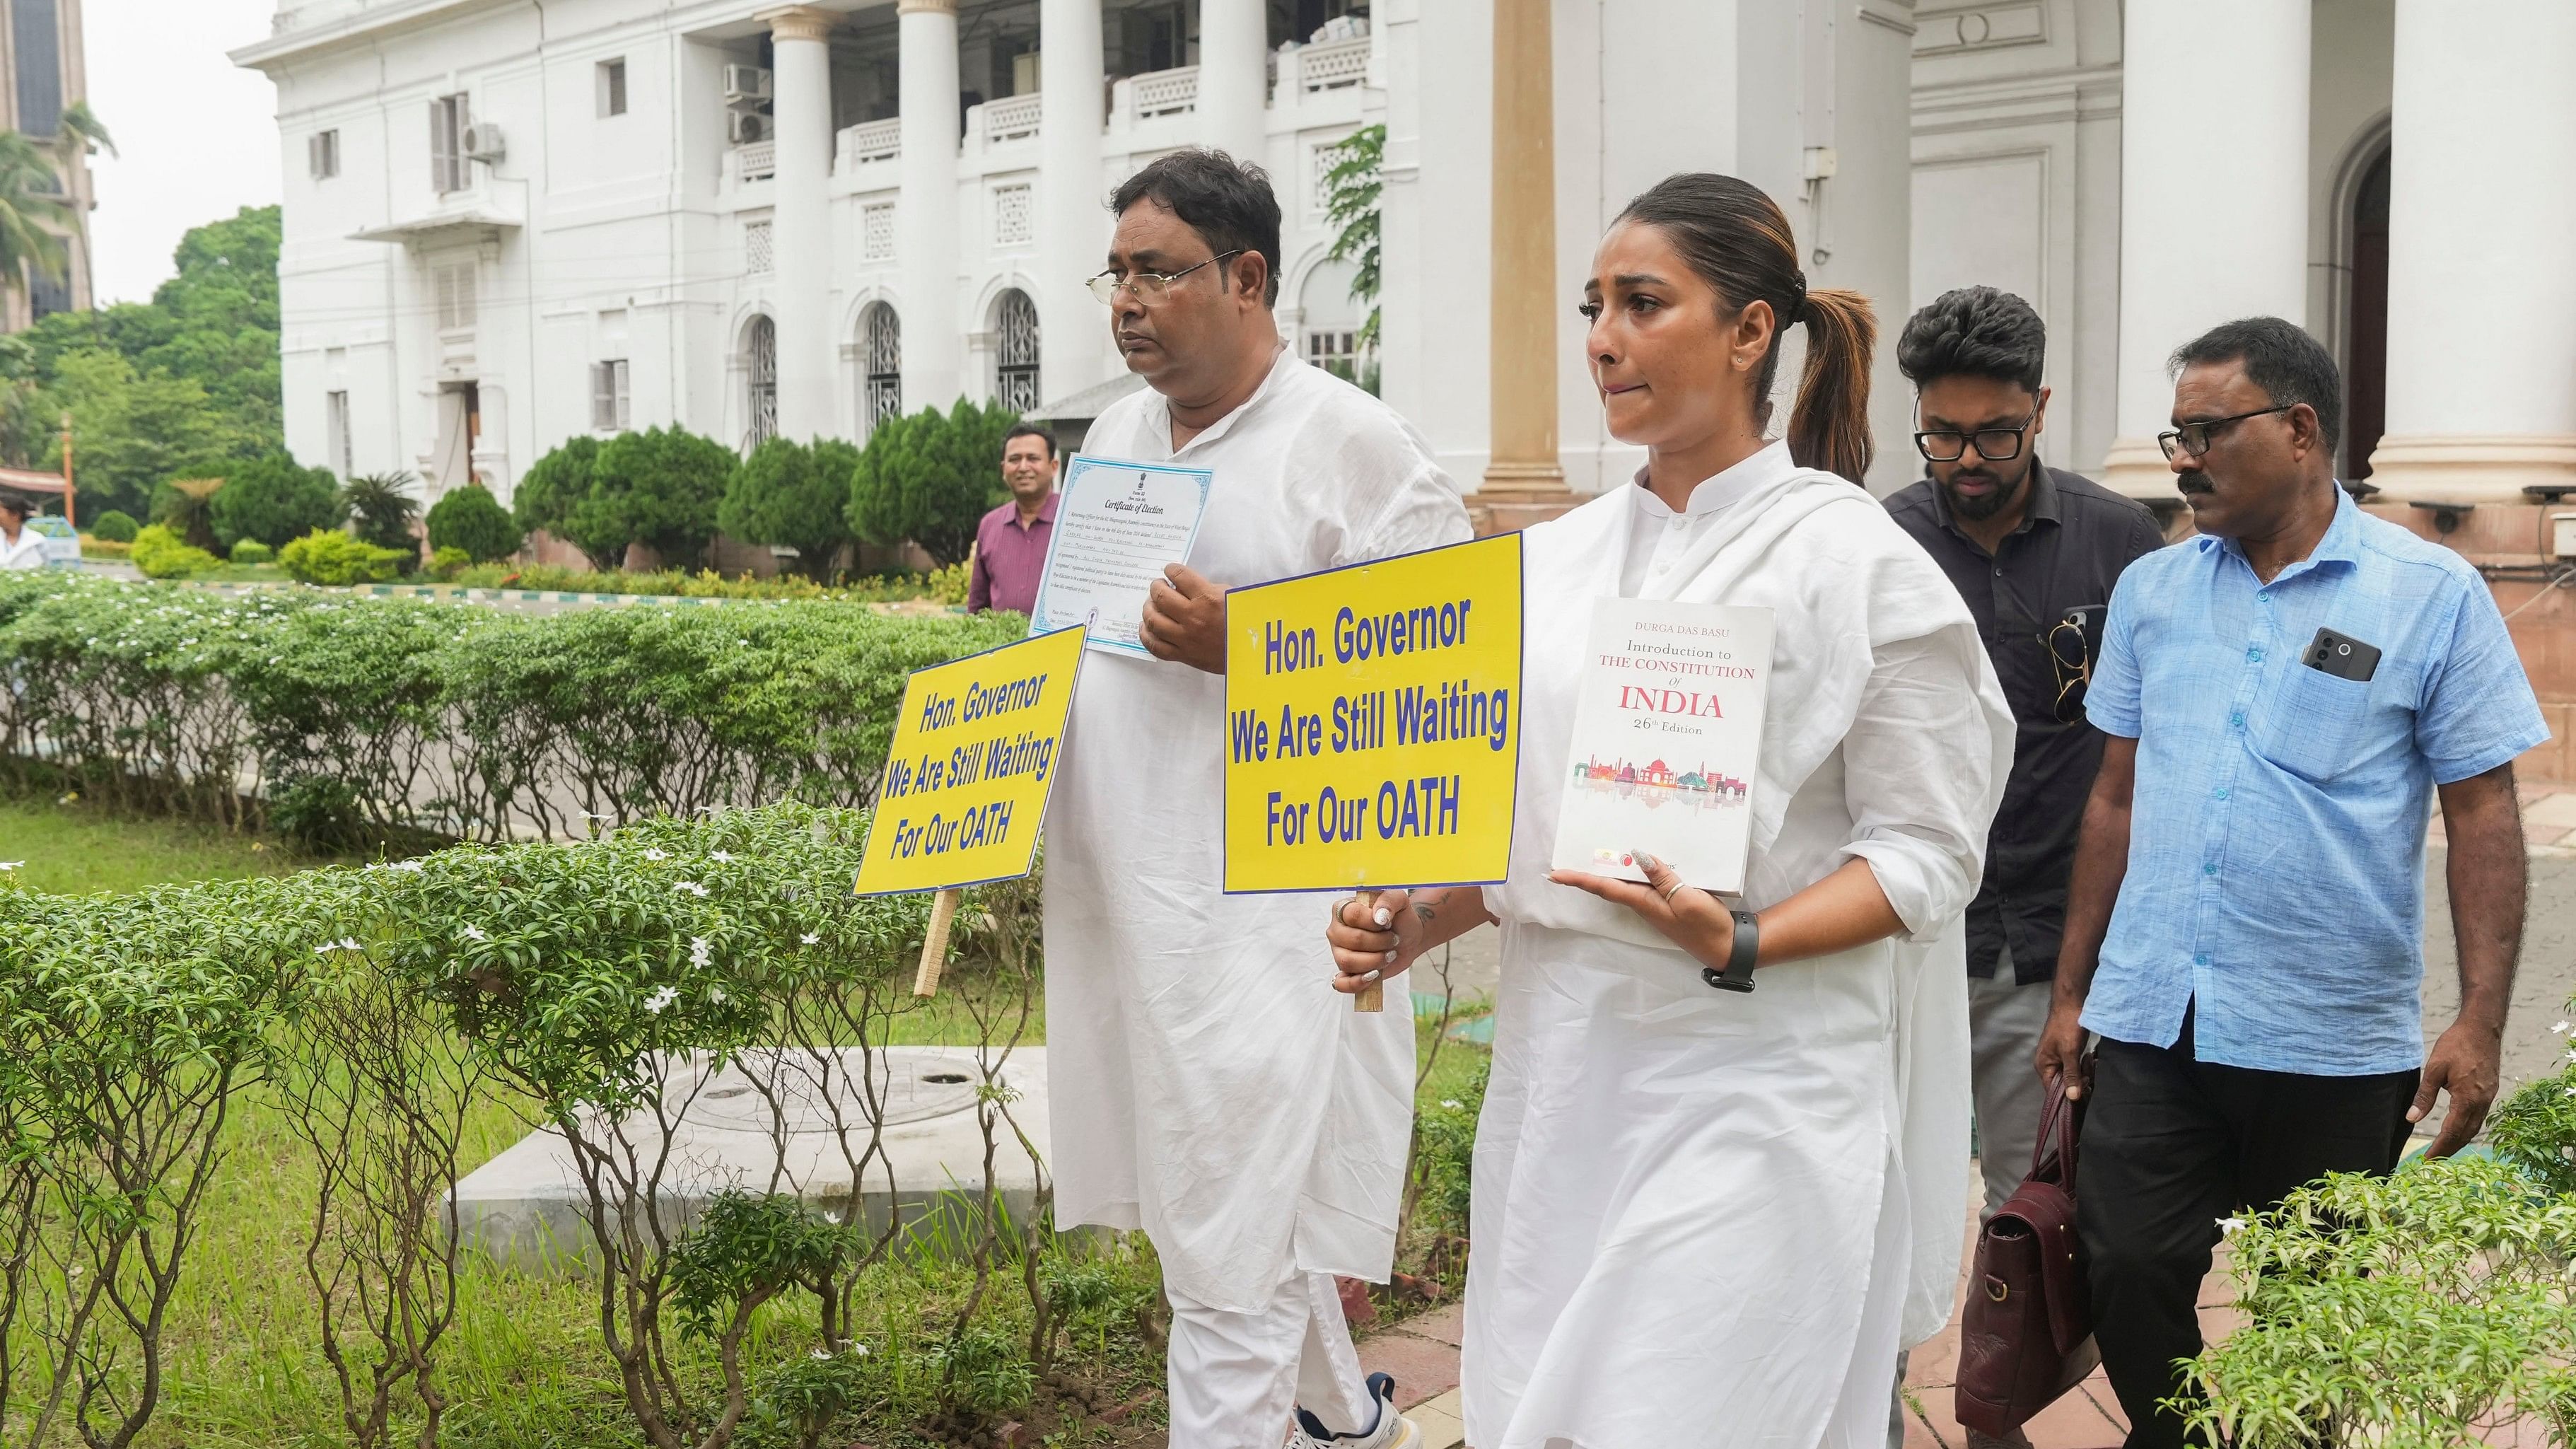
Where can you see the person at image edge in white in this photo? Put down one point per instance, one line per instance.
(1208, 1085)
(21, 547)
(1705, 1217)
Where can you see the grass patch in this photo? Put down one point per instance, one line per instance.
(75, 848)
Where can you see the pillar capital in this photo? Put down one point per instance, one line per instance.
(798, 22)
(925, 7)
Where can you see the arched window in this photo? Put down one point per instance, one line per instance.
(1015, 373)
(764, 380)
(881, 391)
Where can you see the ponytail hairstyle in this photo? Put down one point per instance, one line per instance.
(1738, 242)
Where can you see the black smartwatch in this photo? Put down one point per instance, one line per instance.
(1738, 975)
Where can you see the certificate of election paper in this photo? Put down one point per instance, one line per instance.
(1116, 525)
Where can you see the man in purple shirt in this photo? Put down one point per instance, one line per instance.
(1011, 542)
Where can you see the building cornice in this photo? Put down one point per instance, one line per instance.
(298, 41)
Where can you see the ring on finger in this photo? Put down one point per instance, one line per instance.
(1676, 890)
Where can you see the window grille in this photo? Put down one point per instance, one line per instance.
(764, 381)
(876, 231)
(1013, 225)
(758, 258)
(883, 395)
(1016, 370)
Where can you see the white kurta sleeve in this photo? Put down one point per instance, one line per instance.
(1923, 767)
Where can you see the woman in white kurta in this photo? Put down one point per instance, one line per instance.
(1705, 1217)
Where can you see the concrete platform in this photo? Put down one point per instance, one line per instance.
(525, 1208)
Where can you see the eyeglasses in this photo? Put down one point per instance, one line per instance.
(1995, 445)
(1148, 286)
(2070, 655)
(2194, 438)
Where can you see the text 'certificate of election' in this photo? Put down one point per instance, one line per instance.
(1117, 524)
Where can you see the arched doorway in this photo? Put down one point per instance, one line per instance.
(1015, 354)
(2366, 322)
(881, 386)
(761, 348)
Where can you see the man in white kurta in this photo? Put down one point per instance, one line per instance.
(1208, 1084)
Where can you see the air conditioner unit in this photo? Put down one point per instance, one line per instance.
(745, 84)
(483, 142)
(745, 127)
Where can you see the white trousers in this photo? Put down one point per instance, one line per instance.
(1236, 1377)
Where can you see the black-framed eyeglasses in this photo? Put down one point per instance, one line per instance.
(2070, 657)
(1995, 445)
(1148, 286)
(2195, 438)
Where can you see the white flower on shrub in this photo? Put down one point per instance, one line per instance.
(409, 865)
(345, 943)
(652, 854)
(11, 864)
(701, 951)
(722, 856)
(2231, 1226)
(692, 887)
(810, 939)
(659, 999)
(475, 933)
(2560, 1028)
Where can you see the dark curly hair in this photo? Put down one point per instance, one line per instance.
(1974, 332)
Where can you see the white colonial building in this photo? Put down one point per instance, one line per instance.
(512, 221)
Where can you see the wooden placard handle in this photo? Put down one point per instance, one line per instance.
(934, 943)
(1371, 997)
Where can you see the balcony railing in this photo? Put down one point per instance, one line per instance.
(1165, 92)
(1333, 64)
(1011, 118)
(755, 161)
(871, 141)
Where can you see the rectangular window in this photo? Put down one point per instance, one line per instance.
(876, 231)
(449, 170)
(454, 284)
(612, 87)
(322, 154)
(757, 258)
(36, 43)
(609, 410)
(335, 426)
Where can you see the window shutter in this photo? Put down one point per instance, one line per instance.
(313, 154)
(442, 146)
(618, 389)
(603, 410)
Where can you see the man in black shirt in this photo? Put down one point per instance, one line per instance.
(2034, 551)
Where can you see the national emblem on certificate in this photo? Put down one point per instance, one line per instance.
(1370, 734)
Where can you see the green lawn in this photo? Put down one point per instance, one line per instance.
(73, 847)
(523, 1366)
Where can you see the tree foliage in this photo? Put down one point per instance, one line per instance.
(661, 487)
(383, 507)
(275, 500)
(794, 495)
(930, 478)
(555, 495)
(1352, 189)
(471, 519)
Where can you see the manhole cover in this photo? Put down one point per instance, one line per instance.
(911, 1087)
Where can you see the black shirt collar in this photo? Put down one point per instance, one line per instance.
(2043, 502)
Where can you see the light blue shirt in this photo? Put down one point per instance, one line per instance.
(2276, 836)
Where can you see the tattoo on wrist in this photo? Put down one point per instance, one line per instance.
(1423, 911)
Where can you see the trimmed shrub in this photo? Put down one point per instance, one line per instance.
(659, 487)
(159, 554)
(252, 551)
(793, 495)
(114, 526)
(328, 556)
(930, 478)
(274, 500)
(557, 495)
(447, 563)
(471, 519)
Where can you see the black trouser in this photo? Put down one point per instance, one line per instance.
(2170, 1146)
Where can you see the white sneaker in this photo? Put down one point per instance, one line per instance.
(1391, 1431)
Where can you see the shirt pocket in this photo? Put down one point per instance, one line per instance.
(2314, 727)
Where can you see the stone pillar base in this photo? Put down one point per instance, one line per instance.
(1516, 495)
(2135, 468)
(2468, 468)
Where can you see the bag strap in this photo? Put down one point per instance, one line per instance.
(2052, 1155)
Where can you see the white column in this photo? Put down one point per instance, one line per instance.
(926, 211)
(799, 232)
(1234, 86)
(2481, 294)
(2213, 196)
(1074, 222)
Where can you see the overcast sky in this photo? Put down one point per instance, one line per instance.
(198, 137)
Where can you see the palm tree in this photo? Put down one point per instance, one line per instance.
(381, 508)
(31, 208)
(188, 508)
(78, 135)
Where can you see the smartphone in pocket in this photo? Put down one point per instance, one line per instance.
(2341, 656)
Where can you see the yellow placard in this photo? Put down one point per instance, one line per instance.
(1371, 738)
(974, 756)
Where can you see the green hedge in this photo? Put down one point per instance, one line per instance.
(356, 716)
(372, 1007)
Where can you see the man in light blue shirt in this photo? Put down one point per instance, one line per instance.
(2283, 697)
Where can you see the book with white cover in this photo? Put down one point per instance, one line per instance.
(1667, 738)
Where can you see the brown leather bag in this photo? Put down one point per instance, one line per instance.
(2026, 1335)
